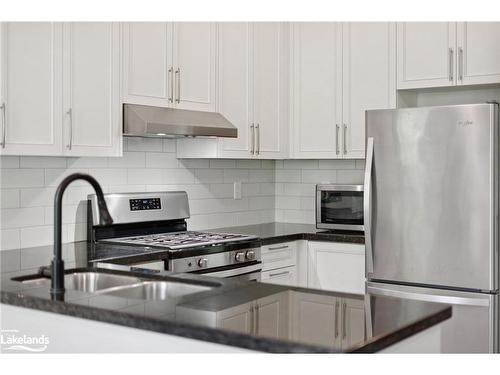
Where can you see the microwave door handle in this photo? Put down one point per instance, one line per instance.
(367, 206)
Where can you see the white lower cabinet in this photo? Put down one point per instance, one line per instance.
(267, 316)
(280, 276)
(336, 266)
(324, 320)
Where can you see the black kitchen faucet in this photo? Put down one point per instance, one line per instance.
(57, 266)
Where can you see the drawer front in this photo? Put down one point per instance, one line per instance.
(279, 255)
(281, 276)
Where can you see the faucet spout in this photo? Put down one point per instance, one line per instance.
(57, 265)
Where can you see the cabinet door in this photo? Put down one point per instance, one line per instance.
(91, 89)
(426, 54)
(237, 319)
(478, 52)
(269, 96)
(280, 276)
(316, 89)
(272, 316)
(147, 63)
(366, 86)
(31, 79)
(316, 319)
(194, 51)
(234, 91)
(353, 322)
(336, 266)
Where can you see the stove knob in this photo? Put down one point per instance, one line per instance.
(239, 257)
(203, 262)
(250, 255)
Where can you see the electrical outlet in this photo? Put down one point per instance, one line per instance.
(237, 190)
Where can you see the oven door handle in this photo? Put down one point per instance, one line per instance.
(235, 271)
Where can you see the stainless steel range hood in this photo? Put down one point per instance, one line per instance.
(148, 121)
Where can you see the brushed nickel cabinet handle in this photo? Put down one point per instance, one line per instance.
(257, 128)
(69, 112)
(337, 139)
(344, 328)
(4, 125)
(252, 318)
(171, 79)
(461, 63)
(256, 318)
(178, 83)
(336, 319)
(278, 248)
(344, 140)
(252, 134)
(450, 64)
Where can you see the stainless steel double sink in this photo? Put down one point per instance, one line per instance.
(129, 287)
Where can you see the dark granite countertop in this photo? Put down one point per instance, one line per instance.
(379, 321)
(276, 232)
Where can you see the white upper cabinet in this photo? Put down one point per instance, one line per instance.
(194, 53)
(170, 64)
(365, 85)
(234, 86)
(333, 85)
(92, 124)
(269, 90)
(147, 63)
(426, 54)
(252, 85)
(31, 78)
(316, 91)
(478, 52)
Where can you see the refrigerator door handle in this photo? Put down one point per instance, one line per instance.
(367, 205)
(422, 296)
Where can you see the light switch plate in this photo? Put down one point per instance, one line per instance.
(237, 190)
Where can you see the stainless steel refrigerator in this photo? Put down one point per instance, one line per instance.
(431, 215)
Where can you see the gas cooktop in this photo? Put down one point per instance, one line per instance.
(181, 240)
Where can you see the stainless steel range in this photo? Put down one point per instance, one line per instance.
(154, 226)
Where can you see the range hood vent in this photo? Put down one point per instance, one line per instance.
(148, 121)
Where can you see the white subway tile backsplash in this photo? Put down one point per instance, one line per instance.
(350, 176)
(9, 198)
(144, 144)
(42, 162)
(9, 161)
(160, 160)
(271, 189)
(19, 178)
(10, 239)
(318, 176)
(129, 160)
(21, 217)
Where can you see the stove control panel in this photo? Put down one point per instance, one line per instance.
(145, 204)
(226, 258)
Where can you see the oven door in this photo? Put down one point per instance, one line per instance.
(246, 273)
(339, 207)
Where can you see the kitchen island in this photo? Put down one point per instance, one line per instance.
(224, 315)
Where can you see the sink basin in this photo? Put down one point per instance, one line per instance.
(158, 290)
(90, 281)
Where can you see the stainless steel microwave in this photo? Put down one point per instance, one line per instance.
(339, 207)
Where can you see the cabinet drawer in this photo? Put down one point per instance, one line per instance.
(279, 255)
(280, 276)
